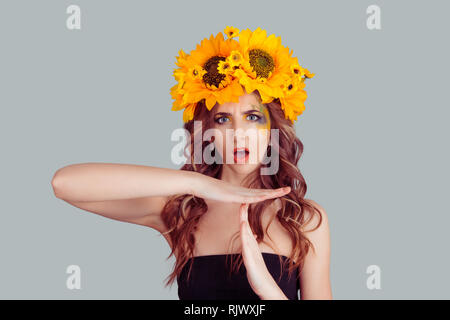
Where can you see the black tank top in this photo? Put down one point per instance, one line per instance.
(210, 279)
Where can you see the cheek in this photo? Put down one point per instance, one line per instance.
(264, 122)
(219, 142)
(264, 138)
(263, 143)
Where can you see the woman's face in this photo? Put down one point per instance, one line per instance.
(243, 130)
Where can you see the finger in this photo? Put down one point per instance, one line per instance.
(284, 189)
(257, 192)
(263, 197)
(244, 212)
(248, 238)
(277, 191)
(244, 221)
(244, 237)
(273, 191)
(270, 193)
(257, 198)
(281, 191)
(256, 195)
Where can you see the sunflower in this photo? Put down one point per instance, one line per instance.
(224, 67)
(294, 95)
(266, 61)
(201, 79)
(292, 101)
(299, 72)
(231, 32)
(220, 71)
(235, 59)
(176, 91)
(307, 74)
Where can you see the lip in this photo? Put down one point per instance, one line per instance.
(241, 160)
(240, 149)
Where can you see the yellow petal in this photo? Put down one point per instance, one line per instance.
(210, 102)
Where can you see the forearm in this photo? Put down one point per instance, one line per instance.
(110, 181)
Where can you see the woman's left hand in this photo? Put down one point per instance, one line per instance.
(258, 275)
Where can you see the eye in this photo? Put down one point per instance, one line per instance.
(219, 120)
(254, 115)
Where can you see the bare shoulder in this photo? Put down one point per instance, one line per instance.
(314, 279)
(316, 229)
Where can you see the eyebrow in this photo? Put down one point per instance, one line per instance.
(245, 112)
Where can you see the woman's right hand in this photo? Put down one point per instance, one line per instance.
(215, 189)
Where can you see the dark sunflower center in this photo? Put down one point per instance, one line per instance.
(212, 76)
(261, 62)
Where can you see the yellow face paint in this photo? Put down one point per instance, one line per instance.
(264, 122)
(266, 114)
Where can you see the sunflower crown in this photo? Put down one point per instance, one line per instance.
(219, 70)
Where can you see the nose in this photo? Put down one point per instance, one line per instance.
(239, 134)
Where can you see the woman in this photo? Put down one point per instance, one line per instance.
(231, 199)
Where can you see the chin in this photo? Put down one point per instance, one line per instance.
(244, 168)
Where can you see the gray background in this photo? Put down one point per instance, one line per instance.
(375, 134)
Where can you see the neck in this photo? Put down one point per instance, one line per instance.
(232, 176)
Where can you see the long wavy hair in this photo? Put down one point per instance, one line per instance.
(182, 212)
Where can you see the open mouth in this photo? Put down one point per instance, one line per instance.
(241, 154)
